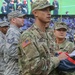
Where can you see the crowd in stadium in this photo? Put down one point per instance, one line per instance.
(70, 21)
(41, 43)
(11, 5)
(22, 6)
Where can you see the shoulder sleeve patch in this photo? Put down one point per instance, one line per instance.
(10, 40)
(25, 43)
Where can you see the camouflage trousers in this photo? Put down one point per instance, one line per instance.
(1, 72)
(2, 67)
(11, 69)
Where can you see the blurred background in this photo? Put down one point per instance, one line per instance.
(64, 7)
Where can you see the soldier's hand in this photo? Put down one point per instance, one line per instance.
(62, 56)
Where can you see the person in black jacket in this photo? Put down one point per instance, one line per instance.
(56, 5)
(4, 8)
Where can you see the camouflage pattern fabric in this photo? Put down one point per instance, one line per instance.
(41, 5)
(11, 55)
(36, 51)
(59, 25)
(15, 14)
(2, 47)
(66, 46)
(4, 23)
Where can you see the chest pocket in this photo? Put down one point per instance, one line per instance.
(42, 46)
(65, 48)
(51, 43)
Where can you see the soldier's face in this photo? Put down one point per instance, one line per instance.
(19, 21)
(43, 15)
(4, 29)
(60, 33)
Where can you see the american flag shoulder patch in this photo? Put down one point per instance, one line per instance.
(25, 43)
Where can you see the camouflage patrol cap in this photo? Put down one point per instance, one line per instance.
(41, 4)
(4, 24)
(59, 25)
(15, 14)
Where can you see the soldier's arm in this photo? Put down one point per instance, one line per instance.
(12, 40)
(56, 60)
(71, 47)
(30, 60)
(2, 45)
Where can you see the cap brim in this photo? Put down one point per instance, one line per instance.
(45, 6)
(5, 24)
(23, 15)
(61, 27)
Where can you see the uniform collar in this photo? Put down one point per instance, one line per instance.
(35, 26)
(15, 27)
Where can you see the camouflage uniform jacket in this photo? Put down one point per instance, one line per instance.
(66, 46)
(11, 55)
(2, 47)
(35, 52)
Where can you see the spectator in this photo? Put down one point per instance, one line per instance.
(8, 1)
(56, 5)
(4, 8)
(11, 6)
(24, 7)
(18, 3)
(67, 13)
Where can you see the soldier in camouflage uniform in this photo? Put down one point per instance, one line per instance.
(3, 30)
(36, 48)
(12, 38)
(60, 30)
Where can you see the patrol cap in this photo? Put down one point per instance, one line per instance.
(59, 25)
(4, 24)
(15, 14)
(41, 4)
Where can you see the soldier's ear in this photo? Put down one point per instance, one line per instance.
(35, 13)
(13, 19)
(54, 32)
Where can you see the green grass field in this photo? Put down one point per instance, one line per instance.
(64, 5)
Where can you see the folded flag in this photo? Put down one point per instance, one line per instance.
(67, 64)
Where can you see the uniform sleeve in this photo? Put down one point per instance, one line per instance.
(70, 47)
(54, 62)
(2, 46)
(30, 60)
(12, 40)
